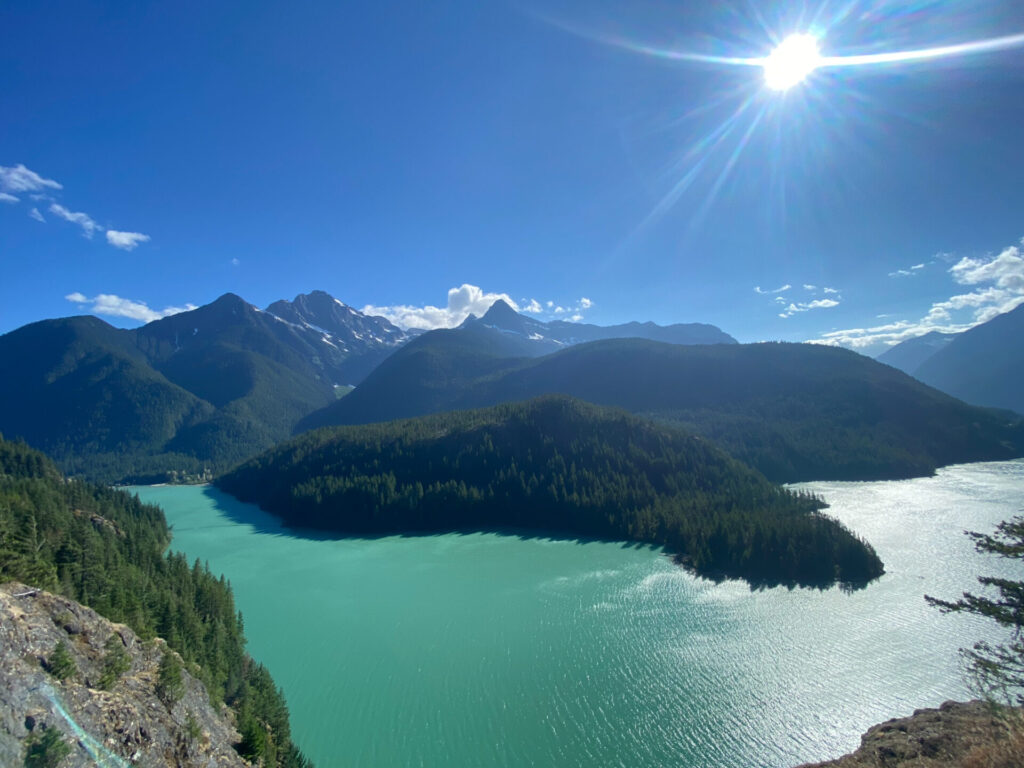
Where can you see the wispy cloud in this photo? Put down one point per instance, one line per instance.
(112, 305)
(806, 306)
(907, 272)
(533, 307)
(126, 241)
(833, 291)
(20, 179)
(999, 288)
(758, 289)
(809, 287)
(83, 220)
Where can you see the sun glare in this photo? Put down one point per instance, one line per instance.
(791, 62)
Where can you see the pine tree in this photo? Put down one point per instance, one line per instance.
(169, 685)
(60, 664)
(997, 668)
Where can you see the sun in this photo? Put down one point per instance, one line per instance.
(791, 62)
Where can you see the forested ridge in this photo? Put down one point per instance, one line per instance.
(794, 412)
(105, 549)
(559, 465)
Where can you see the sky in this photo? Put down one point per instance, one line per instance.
(417, 160)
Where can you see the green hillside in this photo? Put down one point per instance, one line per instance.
(558, 465)
(794, 411)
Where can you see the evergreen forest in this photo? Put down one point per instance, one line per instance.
(563, 466)
(105, 549)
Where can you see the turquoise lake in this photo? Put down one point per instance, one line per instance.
(500, 650)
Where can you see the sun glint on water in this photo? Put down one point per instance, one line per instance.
(791, 62)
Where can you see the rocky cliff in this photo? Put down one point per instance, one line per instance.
(126, 724)
(956, 735)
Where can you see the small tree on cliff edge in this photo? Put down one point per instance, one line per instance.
(999, 668)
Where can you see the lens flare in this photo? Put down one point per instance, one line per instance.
(790, 64)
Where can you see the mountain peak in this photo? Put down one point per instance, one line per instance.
(501, 315)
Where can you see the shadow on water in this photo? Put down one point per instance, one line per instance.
(266, 523)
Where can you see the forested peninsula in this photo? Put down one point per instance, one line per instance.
(105, 549)
(558, 465)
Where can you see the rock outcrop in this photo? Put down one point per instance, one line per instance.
(129, 724)
(956, 735)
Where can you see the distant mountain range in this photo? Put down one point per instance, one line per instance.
(196, 392)
(536, 337)
(793, 411)
(983, 366)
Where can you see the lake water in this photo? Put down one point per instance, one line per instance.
(496, 650)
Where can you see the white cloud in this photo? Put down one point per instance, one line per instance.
(126, 241)
(470, 299)
(21, 179)
(809, 287)
(83, 220)
(116, 306)
(462, 302)
(6, 198)
(792, 309)
(1000, 281)
(758, 289)
(907, 272)
(830, 290)
(35, 214)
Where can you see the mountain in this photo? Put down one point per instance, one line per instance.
(984, 365)
(355, 343)
(543, 337)
(104, 549)
(562, 465)
(910, 354)
(184, 395)
(793, 411)
(80, 387)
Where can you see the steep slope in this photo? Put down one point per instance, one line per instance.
(78, 386)
(257, 370)
(129, 720)
(910, 354)
(352, 344)
(425, 375)
(984, 366)
(793, 411)
(555, 464)
(184, 395)
(105, 549)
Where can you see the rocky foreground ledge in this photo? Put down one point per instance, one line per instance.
(129, 722)
(956, 735)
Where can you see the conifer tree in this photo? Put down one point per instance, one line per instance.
(998, 668)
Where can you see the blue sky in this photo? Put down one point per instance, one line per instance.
(393, 152)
